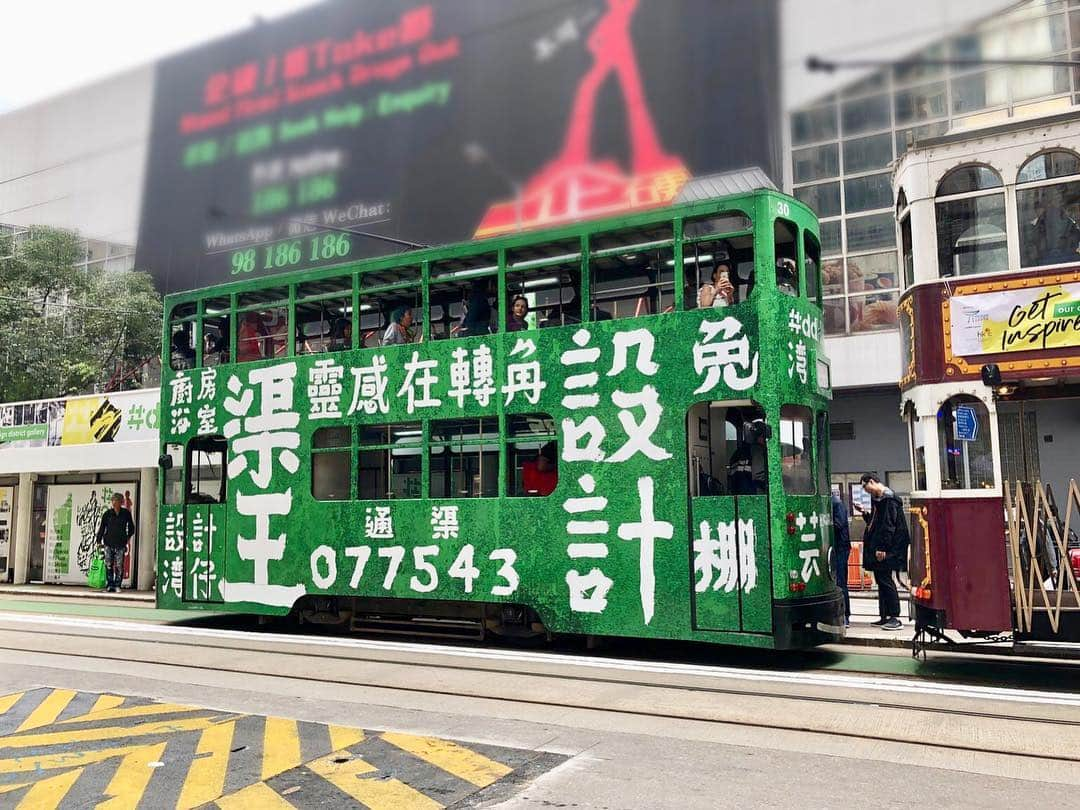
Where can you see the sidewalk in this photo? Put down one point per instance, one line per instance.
(864, 610)
(77, 592)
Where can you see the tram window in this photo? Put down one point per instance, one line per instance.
(787, 272)
(331, 463)
(714, 226)
(726, 448)
(632, 272)
(822, 450)
(206, 470)
(917, 436)
(1048, 213)
(812, 252)
(215, 332)
(173, 475)
(971, 229)
(262, 334)
(463, 296)
(464, 458)
(966, 462)
(795, 449)
(532, 464)
(381, 309)
(389, 461)
(703, 262)
(552, 296)
(324, 326)
(182, 345)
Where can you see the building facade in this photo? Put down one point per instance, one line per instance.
(844, 146)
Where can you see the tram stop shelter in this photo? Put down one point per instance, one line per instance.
(60, 462)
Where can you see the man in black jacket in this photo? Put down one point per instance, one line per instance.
(885, 547)
(116, 529)
(841, 551)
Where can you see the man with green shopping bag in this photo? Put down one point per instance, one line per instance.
(116, 529)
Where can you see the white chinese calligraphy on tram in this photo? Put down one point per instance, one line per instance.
(324, 390)
(523, 377)
(378, 523)
(472, 377)
(811, 557)
(797, 361)
(728, 561)
(369, 388)
(808, 326)
(728, 358)
(260, 442)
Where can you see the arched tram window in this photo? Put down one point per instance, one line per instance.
(970, 212)
(1048, 209)
(967, 460)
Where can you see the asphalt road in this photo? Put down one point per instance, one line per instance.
(271, 720)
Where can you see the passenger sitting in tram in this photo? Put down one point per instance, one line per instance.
(787, 277)
(519, 311)
(719, 292)
(181, 353)
(541, 476)
(477, 319)
(341, 336)
(747, 469)
(397, 333)
(251, 338)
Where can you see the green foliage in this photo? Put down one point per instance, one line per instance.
(64, 330)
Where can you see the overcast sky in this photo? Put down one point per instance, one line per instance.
(55, 45)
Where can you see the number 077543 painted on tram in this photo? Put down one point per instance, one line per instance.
(616, 428)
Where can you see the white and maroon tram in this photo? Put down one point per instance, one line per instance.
(990, 332)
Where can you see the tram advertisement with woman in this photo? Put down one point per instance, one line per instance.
(340, 474)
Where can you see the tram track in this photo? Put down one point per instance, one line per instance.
(1012, 723)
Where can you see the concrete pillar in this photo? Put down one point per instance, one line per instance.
(24, 511)
(146, 531)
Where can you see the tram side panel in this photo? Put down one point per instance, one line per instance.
(959, 568)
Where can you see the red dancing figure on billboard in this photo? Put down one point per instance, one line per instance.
(574, 185)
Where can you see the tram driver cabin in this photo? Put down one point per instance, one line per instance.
(366, 462)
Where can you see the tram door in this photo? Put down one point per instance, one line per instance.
(728, 533)
(204, 519)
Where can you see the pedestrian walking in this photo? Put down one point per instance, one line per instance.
(116, 530)
(885, 547)
(841, 551)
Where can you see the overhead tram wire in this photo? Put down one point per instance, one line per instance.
(817, 63)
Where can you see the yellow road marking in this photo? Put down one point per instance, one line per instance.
(13, 788)
(255, 797)
(107, 733)
(105, 702)
(48, 710)
(7, 701)
(48, 793)
(134, 711)
(451, 757)
(342, 737)
(131, 778)
(377, 794)
(68, 759)
(281, 746)
(206, 777)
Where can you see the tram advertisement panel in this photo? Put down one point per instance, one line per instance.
(437, 122)
(73, 514)
(376, 473)
(1017, 320)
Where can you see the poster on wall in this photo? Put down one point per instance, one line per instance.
(124, 416)
(71, 522)
(7, 509)
(1022, 320)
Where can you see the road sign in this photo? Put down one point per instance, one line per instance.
(967, 424)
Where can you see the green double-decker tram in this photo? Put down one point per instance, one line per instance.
(615, 428)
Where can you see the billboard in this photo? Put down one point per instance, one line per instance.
(436, 122)
(1016, 320)
(122, 416)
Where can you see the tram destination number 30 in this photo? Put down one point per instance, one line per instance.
(291, 253)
